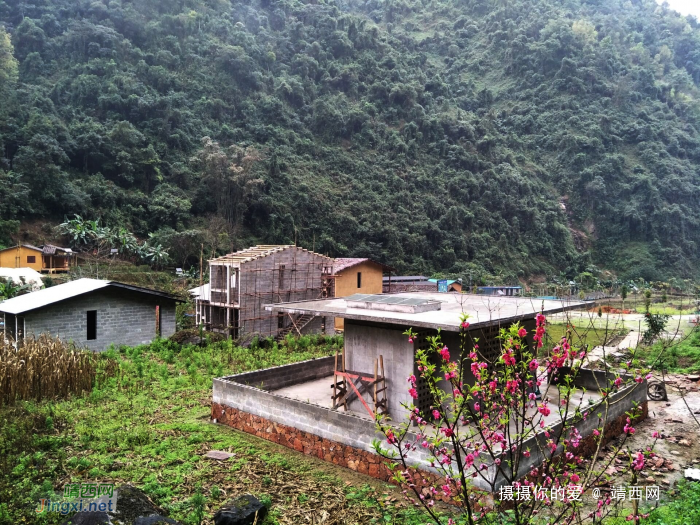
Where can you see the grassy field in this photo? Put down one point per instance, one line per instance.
(148, 425)
(680, 357)
(582, 333)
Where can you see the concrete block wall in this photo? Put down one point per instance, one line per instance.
(287, 375)
(123, 318)
(363, 345)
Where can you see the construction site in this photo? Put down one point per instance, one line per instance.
(327, 407)
(241, 283)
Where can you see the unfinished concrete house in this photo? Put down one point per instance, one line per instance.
(241, 283)
(327, 407)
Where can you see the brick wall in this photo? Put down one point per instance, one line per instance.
(123, 318)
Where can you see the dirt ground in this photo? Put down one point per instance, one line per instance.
(678, 447)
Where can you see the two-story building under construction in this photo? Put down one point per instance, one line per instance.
(242, 282)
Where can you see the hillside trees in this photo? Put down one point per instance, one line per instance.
(419, 133)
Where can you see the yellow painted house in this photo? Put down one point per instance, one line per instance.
(357, 275)
(47, 258)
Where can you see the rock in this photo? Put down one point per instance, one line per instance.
(241, 511)
(659, 462)
(684, 442)
(693, 474)
(675, 453)
(694, 377)
(218, 454)
(133, 507)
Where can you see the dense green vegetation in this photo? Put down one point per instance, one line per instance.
(676, 357)
(434, 135)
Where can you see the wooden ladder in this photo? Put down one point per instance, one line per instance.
(355, 384)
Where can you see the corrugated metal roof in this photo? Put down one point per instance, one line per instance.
(256, 252)
(61, 292)
(50, 249)
(411, 278)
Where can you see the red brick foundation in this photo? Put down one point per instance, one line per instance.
(310, 444)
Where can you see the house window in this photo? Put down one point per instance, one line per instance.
(359, 279)
(91, 325)
(31, 259)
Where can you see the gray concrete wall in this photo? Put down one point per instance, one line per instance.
(363, 345)
(123, 318)
(620, 403)
(288, 375)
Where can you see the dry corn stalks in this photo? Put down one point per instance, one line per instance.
(44, 367)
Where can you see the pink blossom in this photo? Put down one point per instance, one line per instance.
(445, 353)
(522, 332)
(575, 478)
(638, 463)
(595, 432)
(391, 439)
(465, 325)
(544, 410)
(410, 339)
(447, 431)
(618, 381)
(436, 414)
(533, 365)
(655, 434)
(413, 392)
(526, 453)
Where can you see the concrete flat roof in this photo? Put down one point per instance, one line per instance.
(483, 310)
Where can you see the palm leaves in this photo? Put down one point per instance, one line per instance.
(98, 239)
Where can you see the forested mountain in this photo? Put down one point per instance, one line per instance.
(512, 137)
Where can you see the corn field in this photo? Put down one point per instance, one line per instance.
(44, 367)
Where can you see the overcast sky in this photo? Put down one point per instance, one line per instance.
(685, 7)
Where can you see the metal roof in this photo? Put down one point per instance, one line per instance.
(411, 278)
(50, 249)
(343, 263)
(256, 252)
(30, 246)
(61, 292)
(201, 292)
